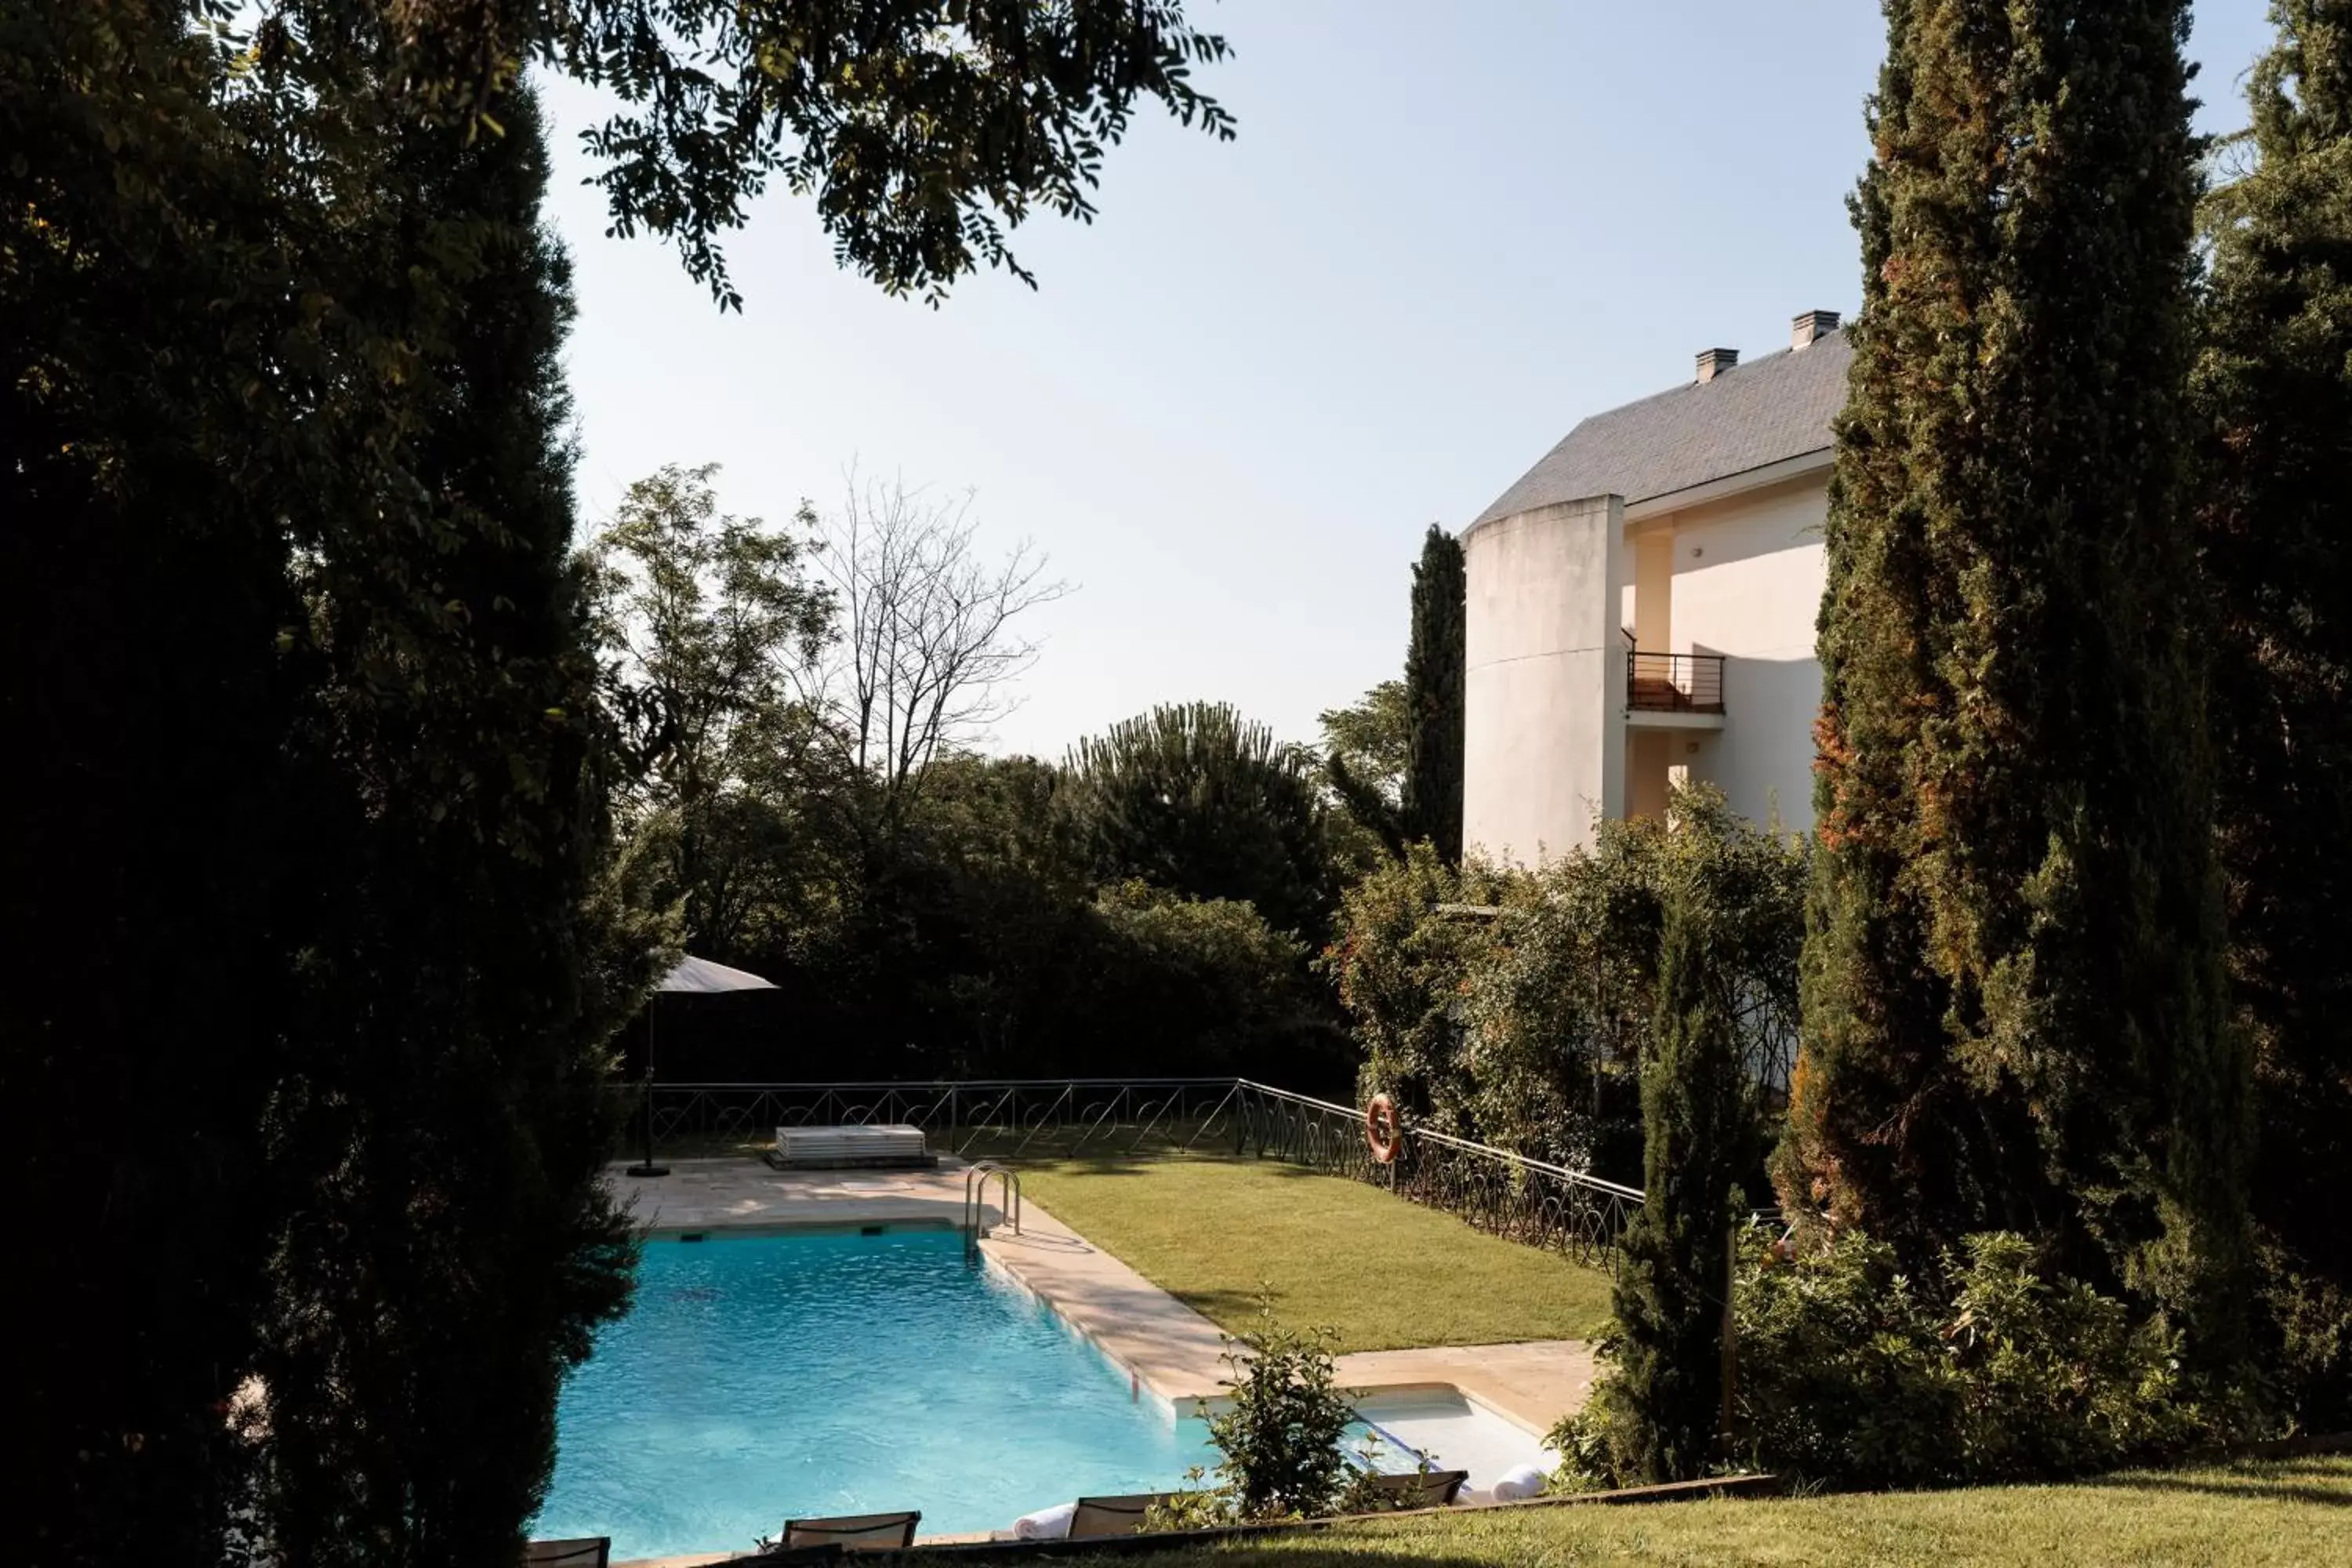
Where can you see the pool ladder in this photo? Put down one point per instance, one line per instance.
(975, 1201)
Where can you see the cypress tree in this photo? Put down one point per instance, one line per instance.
(2274, 388)
(1431, 806)
(146, 722)
(445, 1246)
(2013, 1009)
(1699, 1139)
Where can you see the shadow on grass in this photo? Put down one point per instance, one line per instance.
(1226, 1306)
(2249, 1484)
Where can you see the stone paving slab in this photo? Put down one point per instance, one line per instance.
(1165, 1345)
(736, 1191)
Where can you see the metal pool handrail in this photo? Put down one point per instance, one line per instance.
(976, 1198)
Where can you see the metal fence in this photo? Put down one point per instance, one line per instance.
(1005, 1117)
(1529, 1201)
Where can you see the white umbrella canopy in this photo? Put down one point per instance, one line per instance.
(701, 975)
(697, 976)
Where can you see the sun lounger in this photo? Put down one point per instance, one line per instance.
(853, 1532)
(1427, 1489)
(1113, 1515)
(876, 1148)
(589, 1551)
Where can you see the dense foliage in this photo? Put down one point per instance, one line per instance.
(2014, 1015)
(1430, 805)
(2273, 396)
(1365, 752)
(710, 624)
(1854, 1372)
(1400, 960)
(2019, 1373)
(441, 1245)
(1517, 1007)
(1195, 797)
(149, 549)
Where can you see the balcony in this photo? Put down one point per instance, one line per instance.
(1674, 683)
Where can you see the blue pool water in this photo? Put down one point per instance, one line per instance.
(762, 1377)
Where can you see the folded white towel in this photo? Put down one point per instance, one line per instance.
(1526, 1481)
(1046, 1523)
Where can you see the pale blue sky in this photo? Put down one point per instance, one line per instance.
(1444, 234)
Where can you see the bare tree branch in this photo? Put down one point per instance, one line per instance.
(929, 648)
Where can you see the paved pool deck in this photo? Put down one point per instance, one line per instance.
(1167, 1348)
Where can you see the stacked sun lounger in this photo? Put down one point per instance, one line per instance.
(878, 1147)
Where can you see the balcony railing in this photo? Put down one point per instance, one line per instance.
(1673, 682)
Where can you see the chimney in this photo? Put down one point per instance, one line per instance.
(1713, 363)
(1811, 328)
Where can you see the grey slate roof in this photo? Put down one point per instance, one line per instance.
(1773, 409)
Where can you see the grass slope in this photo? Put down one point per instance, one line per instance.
(2249, 1515)
(1386, 1273)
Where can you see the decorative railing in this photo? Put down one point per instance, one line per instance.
(1673, 682)
(1004, 1118)
(1532, 1201)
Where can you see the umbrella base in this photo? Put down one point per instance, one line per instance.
(649, 1170)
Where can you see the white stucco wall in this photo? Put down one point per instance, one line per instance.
(1544, 678)
(1747, 578)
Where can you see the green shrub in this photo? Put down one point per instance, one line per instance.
(2308, 1326)
(1400, 968)
(1280, 1438)
(2056, 1378)
(1842, 1375)
(1198, 1506)
(1527, 1029)
(1849, 1374)
(1199, 986)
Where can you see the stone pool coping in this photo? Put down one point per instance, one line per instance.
(1168, 1350)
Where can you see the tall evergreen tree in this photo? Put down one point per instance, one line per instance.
(447, 1244)
(2274, 390)
(146, 711)
(1699, 1140)
(2014, 1013)
(1431, 806)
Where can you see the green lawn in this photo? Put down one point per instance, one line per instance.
(2296, 1511)
(1386, 1273)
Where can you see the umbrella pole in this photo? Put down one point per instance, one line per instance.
(653, 1010)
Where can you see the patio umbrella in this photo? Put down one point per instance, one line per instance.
(701, 977)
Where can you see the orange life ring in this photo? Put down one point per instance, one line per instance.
(1382, 1131)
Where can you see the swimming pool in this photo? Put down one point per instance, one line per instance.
(759, 1377)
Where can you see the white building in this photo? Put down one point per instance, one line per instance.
(1641, 607)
